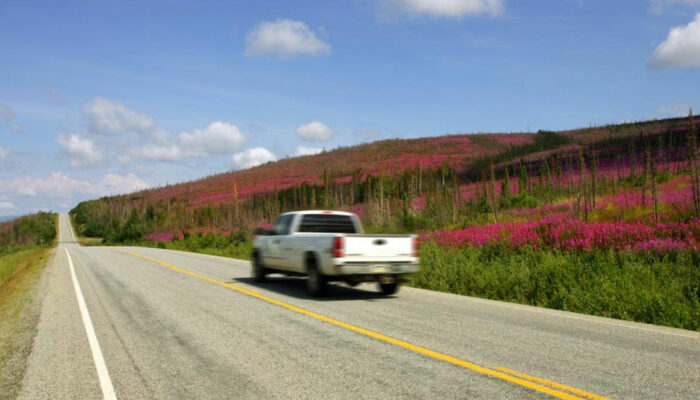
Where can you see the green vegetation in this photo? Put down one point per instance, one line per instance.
(25, 247)
(22, 238)
(90, 241)
(654, 288)
(544, 140)
(236, 245)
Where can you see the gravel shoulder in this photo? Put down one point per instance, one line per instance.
(20, 306)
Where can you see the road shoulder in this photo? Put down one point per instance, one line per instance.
(21, 301)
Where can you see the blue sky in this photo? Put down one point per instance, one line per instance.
(103, 97)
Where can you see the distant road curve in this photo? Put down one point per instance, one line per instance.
(127, 322)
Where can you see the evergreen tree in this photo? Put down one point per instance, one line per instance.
(505, 184)
(581, 194)
(594, 176)
(405, 216)
(645, 175)
(691, 144)
(494, 205)
(236, 220)
(522, 182)
(652, 168)
(326, 191)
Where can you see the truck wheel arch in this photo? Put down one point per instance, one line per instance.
(310, 257)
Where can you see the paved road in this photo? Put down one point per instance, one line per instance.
(167, 324)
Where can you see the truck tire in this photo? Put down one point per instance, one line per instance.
(389, 288)
(259, 271)
(316, 283)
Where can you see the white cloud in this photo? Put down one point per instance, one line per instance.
(109, 117)
(4, 153)
(124, 160)
(368, 135)
(115, 127)
(217, 138)
(61, 186)
(57, 185)
(659, 6)
(445, 8)
(82, 151)
(315, 131)
(252, 157)
(6, 205)
(673, 110)
(118, 184)
(680, 49)
(307, 151)
(284, 38)
(156, 152)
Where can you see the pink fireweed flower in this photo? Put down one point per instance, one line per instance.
(565, 232)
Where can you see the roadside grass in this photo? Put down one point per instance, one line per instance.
(90, 241)
(20, 302)
(15, 263)
(235, 245)
(211, 244)
(23, 257)
(662, 289)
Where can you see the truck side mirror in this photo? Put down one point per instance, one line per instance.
(262, 232)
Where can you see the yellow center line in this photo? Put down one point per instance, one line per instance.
(552, 384)
(434, 354)
(229, 285)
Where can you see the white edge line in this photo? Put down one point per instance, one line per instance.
(596, 319)
(102, 373)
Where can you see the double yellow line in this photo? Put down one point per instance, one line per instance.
(541, 385)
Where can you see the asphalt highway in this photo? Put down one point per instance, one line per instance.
(141, 323)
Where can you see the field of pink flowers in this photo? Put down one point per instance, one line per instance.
(555, 226)
(169, 236)
(565, 232)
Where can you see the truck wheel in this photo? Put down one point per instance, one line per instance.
(259, 271)
(316, 282)
(389, 288)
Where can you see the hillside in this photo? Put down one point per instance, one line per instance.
(382, 157)
(393, 181)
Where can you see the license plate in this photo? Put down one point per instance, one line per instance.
(380, 269)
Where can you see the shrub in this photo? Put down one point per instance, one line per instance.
(647, 287)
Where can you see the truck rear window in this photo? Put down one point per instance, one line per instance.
(327, 223)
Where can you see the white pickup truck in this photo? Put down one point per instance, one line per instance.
(330, 246)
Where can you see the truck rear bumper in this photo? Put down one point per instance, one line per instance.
(375, 269)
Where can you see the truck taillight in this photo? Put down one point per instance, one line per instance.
(416, 247)
(338, 247)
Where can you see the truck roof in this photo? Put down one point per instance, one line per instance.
(320, 212)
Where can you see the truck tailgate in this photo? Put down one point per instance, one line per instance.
(378, 246)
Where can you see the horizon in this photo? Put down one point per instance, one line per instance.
(114, 98)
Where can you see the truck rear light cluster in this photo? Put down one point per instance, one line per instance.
(338, 247)
(416, 247)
